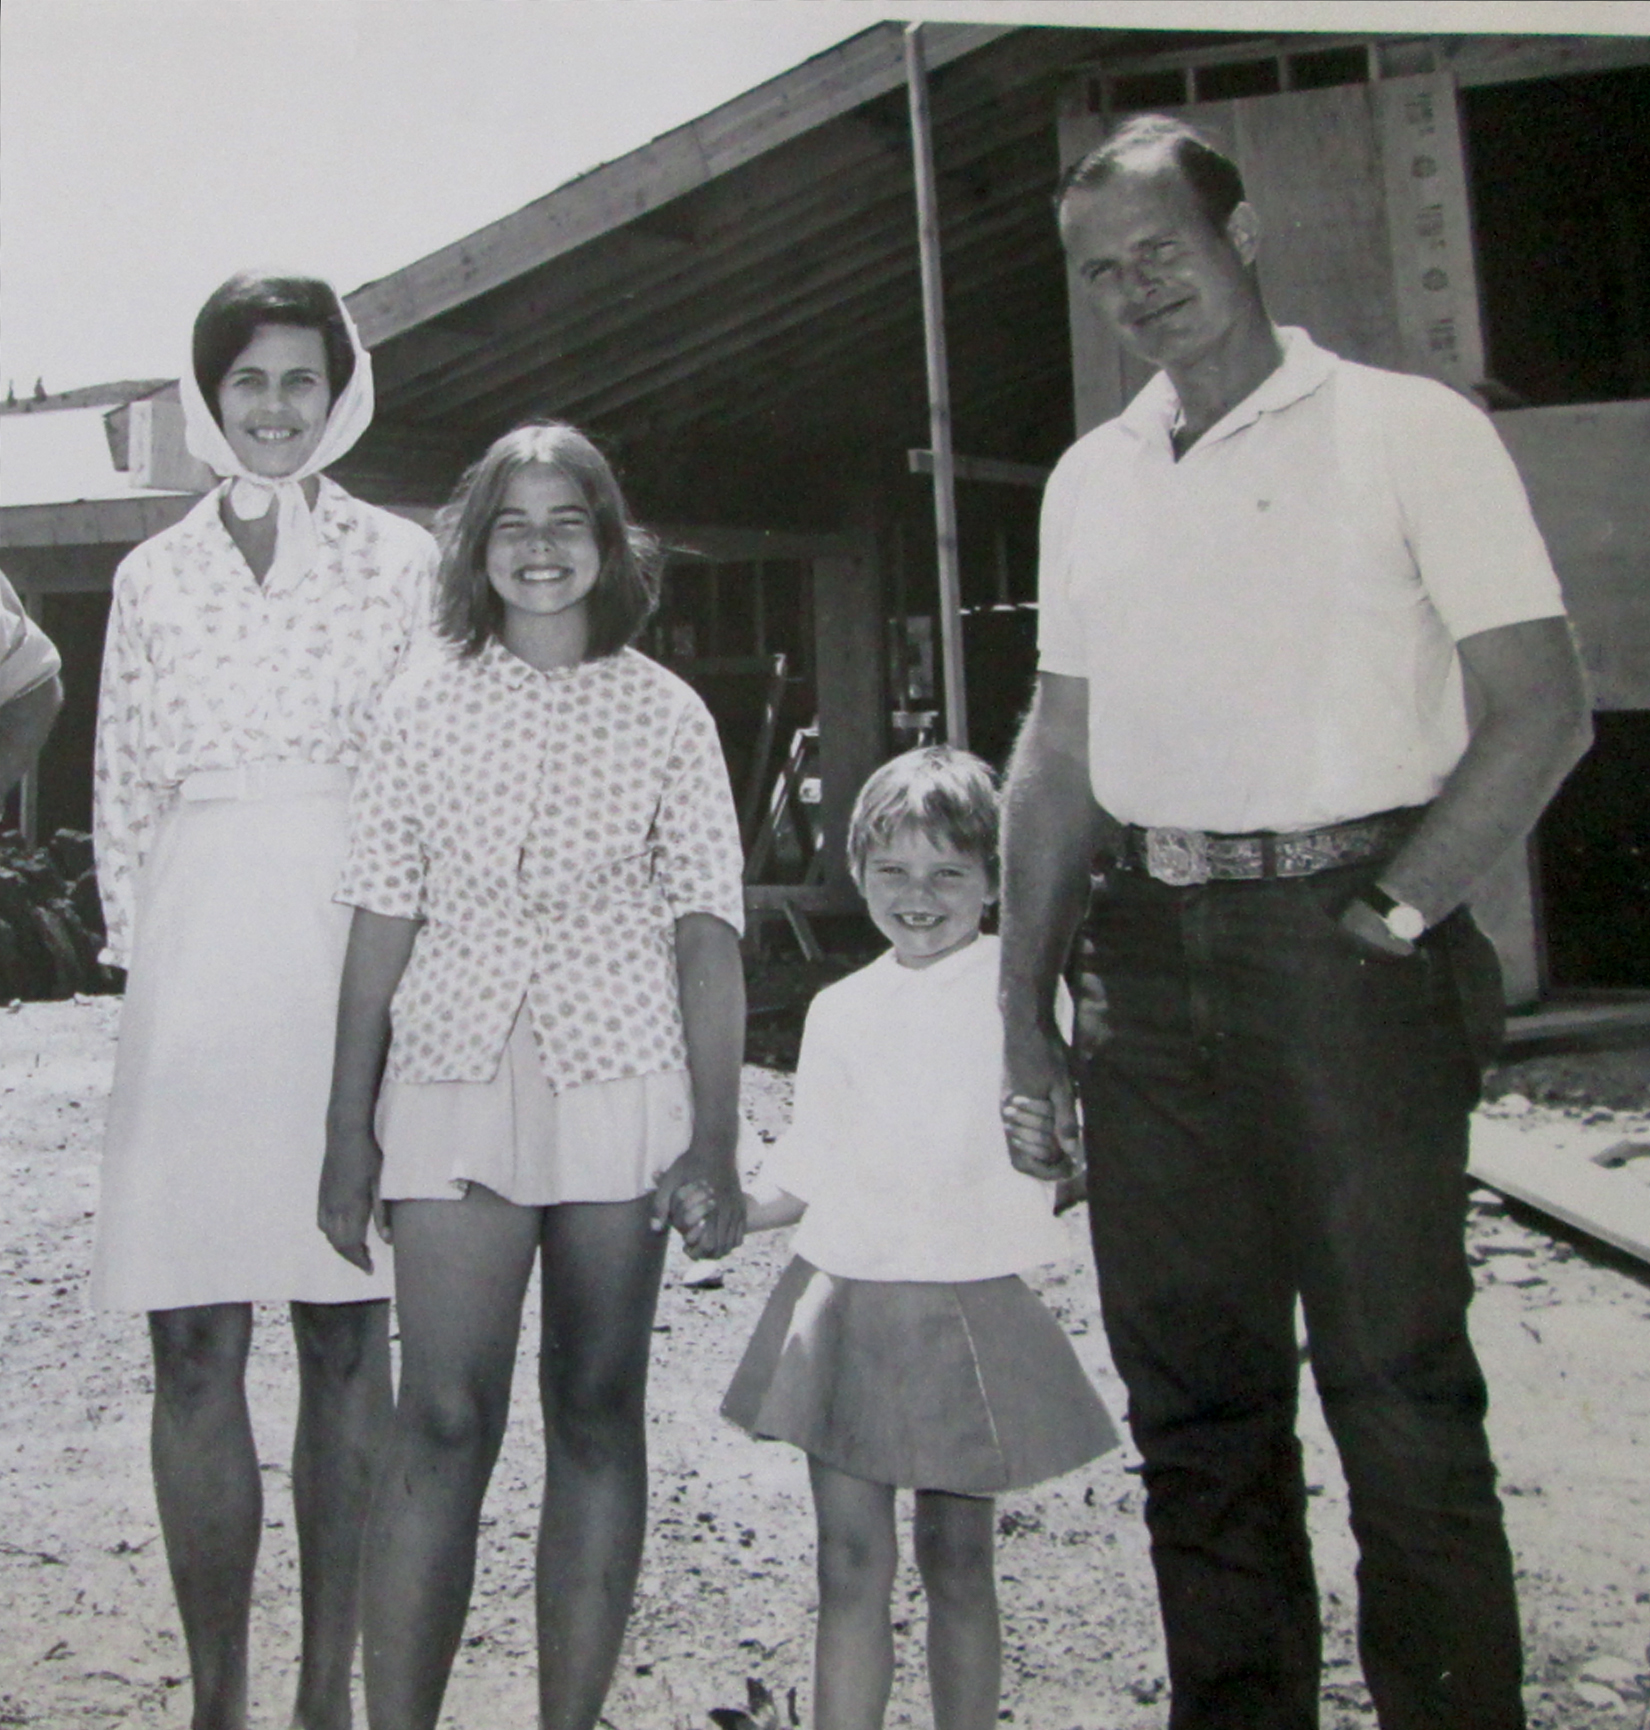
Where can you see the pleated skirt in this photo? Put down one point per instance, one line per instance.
(970, 1387)
(217, 1116)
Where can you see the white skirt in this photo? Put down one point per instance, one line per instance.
(217, 1117)
(608, 1141)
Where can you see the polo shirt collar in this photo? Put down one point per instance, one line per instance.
(1304, 368)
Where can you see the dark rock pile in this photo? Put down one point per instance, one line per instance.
(51, 921)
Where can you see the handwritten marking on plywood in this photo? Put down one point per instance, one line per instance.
(1430, 226)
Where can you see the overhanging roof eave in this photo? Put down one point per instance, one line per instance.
(833, 83)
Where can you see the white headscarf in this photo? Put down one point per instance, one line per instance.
(251, 495)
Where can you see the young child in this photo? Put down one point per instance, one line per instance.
(900, 1348)
(545, 866)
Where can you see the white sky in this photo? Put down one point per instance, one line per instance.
(149, 148)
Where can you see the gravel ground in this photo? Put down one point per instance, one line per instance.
(88, 1634)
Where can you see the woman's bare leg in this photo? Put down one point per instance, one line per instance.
(461, 1270)
(209, 1493)
(955, 1539)
(601, 1285)
(854, 1645)
(344, 1410)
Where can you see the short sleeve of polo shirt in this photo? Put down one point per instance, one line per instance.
(384, 868)
(700, 862)
(1060, 638)
(1466, 515)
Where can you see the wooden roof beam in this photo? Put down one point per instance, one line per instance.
(765, 199)
(574, 327)
(834, 296)
(756, 217)
(786, 107)
(803, 292)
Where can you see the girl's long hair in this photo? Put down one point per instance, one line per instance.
(469, 611)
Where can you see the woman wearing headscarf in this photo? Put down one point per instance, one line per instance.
(247, 649)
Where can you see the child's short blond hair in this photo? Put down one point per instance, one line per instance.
(950, 795)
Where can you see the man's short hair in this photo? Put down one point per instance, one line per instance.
(950, 795)
(1211, 174)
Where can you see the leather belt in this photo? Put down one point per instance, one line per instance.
(1185, 857)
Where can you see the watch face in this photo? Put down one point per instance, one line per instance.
(1406, 922)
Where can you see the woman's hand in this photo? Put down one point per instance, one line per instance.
(349, 1194)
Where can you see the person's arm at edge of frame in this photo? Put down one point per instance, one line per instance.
(1532, 724)
(1051, 828)
(380, 946)
(24, 723)
(711, 979)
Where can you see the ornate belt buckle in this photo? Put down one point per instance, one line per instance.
(1178, 857)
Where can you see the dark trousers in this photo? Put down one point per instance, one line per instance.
(1275, 1111)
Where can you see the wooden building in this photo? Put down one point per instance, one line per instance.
(734, 311)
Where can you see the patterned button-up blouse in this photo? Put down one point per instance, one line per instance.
(549, 828)
(203, 668)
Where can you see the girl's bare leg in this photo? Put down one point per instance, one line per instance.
(954, 1544)
(858, 1553)
(344, 1409)
(209, 1493)
(601, 1284)
(461, 1270)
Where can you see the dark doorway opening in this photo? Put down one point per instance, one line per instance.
(1560, 180)
(1594, 848)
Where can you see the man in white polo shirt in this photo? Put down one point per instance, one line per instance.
(1263, 589)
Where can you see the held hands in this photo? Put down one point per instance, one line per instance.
(705, 1203)
(349, 1194)
(1039, 1110)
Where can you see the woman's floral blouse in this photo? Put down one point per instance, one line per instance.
(204, 668)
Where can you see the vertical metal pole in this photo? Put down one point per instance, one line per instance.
(939, 394)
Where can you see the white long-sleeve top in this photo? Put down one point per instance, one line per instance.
(896, 1141)
(204, 668)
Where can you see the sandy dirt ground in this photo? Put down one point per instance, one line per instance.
(88, 1634)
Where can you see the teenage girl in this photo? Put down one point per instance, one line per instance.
(545, 867)
(900, 1347)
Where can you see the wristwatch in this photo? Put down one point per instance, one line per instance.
(1406, 923)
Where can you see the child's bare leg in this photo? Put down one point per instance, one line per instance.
(461, 1271)
(209, 1494)
(954, 1545)
(854, 1647)
(344, 1408)
(601, 1284)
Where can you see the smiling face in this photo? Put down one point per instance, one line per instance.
(542, 556)
(274, 399)
(925, 896)
(1172, 286)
